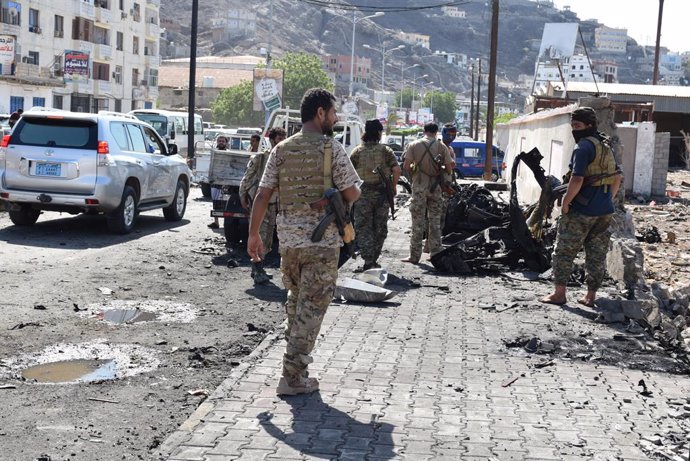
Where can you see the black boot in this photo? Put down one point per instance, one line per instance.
(259, 274)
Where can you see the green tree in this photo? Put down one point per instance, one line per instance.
(443, 104)
(406, 97)
(234, 106)
(504, 118)
(301, 71)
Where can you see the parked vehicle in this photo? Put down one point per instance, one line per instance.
(90, 163)
(470, 157)
(173, 127)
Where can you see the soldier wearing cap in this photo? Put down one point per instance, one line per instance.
(371, 210)
(587, 208)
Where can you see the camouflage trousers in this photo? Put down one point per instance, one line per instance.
(268, 226)
(575, 231)
(425, 208)
(371, 224)
(309, 275)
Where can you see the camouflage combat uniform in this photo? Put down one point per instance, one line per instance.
(587, 222)
(296, 168)
(248, 188)
(371, 210)
(427, 155)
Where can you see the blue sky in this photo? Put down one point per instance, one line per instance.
(640, 18)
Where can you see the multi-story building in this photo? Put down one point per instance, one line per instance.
(610, 39)
(339, 66)
(606, 71)
(572, 69)
(236, 23)
(79, 55)
(415, 39)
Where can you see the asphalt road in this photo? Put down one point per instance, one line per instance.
(158, 314)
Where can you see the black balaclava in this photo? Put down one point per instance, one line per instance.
(587, 116)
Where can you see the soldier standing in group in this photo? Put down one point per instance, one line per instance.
(587, 208)
(448, 134)
(425, 160)
(301, 168)
(371, 210)
(248, 188)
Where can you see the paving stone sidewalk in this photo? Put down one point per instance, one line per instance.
(428, 375)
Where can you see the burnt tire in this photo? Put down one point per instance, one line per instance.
(175, 211)
(24, 216)
(123, 218)
(206, 189)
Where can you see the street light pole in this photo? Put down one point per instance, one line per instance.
(384, 53)
(402, 81)
(352, 55)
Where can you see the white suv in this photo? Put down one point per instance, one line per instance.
(89, 163)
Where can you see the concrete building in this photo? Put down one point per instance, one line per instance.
(236, 23)
(339, 67)
(611, 40)
(213, 75)
(79, 55)
(415, 39)
(578, 69)
(606, 71)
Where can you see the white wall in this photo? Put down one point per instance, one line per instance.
(27, 91)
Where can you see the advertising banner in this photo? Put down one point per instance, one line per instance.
(268, 89)
(76, 66)
(7, 46)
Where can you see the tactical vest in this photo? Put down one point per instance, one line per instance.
(603, 163)
(371, 156)
(302, 174)
(434, 161)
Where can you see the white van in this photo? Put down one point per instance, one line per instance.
(173, 127)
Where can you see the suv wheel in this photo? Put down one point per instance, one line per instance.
(175, 211)
(24, 216)
(121, 221)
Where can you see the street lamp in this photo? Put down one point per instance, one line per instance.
(355, 20)
(402, 81)
(384, 53)
(432, 95)
(414, 80)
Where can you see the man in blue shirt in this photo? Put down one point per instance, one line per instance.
(587, 208)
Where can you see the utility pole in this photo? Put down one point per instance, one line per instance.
(488, 164)
(269, 57)
(472, 104)
(192, 80)
(479, 98)
(655, 80)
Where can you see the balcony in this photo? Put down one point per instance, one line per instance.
(81, 86)
(154, 2)
(138, 94)
(152, 92)
(152, 29)
(85, 10)
(102, 88)
(9, 29)
(104, 16)
(103, 52)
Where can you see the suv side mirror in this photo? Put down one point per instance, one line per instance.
(172, 134)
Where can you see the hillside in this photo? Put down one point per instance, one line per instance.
(299, 26)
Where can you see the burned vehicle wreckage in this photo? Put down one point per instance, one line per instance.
(482, 233)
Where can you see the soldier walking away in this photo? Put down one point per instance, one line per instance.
(372, 160)
(301, 169)
(426, 160)
(248, 188)
(587, 208)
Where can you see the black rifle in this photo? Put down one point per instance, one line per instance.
(388, 185)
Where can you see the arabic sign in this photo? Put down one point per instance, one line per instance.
(76, 66)
(7, 46)
(268, 89)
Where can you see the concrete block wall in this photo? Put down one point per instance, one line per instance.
(660, 165)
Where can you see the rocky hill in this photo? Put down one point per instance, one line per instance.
(299, 26)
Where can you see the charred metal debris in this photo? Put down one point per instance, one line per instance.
(482, 233)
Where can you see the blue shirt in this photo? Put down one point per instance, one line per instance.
(592, 200)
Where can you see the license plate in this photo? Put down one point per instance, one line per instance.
(48, 169)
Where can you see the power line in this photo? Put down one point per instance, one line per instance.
(385, 9)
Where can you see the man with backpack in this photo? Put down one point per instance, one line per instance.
(587, 208)
(427, 160)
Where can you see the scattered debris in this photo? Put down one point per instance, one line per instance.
(650, 235)
(196, 392)
(377, 277)
(358, 291)
(19, 326)
(96, 399)
(105, 290)
(509, 381)
(7, 386)
(40, 307)
(645, 392)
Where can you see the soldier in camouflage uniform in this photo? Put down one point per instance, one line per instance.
(587, 209)
(248, 188)
(371, 210)
(301, 168)
(426, 159)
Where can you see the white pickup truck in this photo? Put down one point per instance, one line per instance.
(227, 167)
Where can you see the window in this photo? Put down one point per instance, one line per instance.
(101, 36)
(122, 5)
(33, 57)
(10, 12)
(153, 77)
(102, 4)
(16, 102)
(82, 29)
(136, 12)
(101, 71)
(39, 102)
(75, 134)
(471, 152)
(119, 132)
(34, 23)
(57, 101)
(117, 76)
(118, 105)
(59, 26)
(135, 45)
(119, 41)
(135, 77)
(153, 141)
(137, 138)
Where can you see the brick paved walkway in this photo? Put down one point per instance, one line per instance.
(428, 376)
